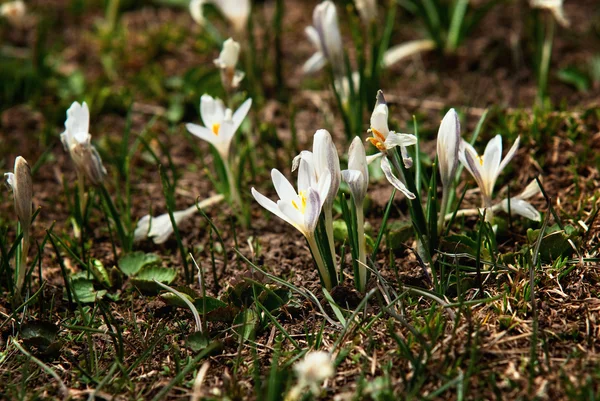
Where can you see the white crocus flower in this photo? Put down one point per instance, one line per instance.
(448, 145)
(300, 209)
(14, 12)
(367, 9)
(555, 7)
(227, 61)
(312, 371)
(220, 124)
(486, 169)
(357, 178)
(323, 160)
(520, 206)
(160, 228)
(236, 11)
(384, 139)
(325, 36)
(76, 140)
(22, 186)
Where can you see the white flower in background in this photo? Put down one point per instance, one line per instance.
(220, 124)
(367, 10)
(555, 7)
(312, 371)
(486, 169)
(76, 140)
(520, 206)
(14, 12)
(227, 61)
(357, 175)
(384, 139)
(160, 228)
(235, 11)
(325, 36)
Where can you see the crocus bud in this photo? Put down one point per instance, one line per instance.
(21, 184)
(357, 175)
(327, 39)
(77, 141)
(227, 61)
(367, 9)
(235, 11)
(448, 144)
(327, 159)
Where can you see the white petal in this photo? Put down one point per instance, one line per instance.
(293, 215)
(399, 185)
(10, 181)
(241, 113)
(327, 159)
(196, 11)
(212, 111)
(406, 159)
(407, 49)
(356, 182)
(448, 144)
(509, 155)
(324, 186)
(373, 157)
(379, 119)
(270, 206)
(78, 118)
(314, 63)
(491, 163)
(230, 54)
(312, 211)
(313, 37)
(532, 189)
(393, 139)
(203, 133)
(284, 189)
(357, 160)
(521, 207)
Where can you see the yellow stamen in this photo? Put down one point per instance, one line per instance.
(215, 128)
(302, 195)
(480, 158)
(377, 140)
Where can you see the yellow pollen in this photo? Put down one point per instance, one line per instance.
(302, 195)
(215, 128)
(480, 158)
(377, 143)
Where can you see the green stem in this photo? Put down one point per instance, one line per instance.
(443, 207)
(22, 264)
(111, 14)
(545, 59)
(328, 212)
(362, 247)
(312, 244)
(233, 191)
(489, 209)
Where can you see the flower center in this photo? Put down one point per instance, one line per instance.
(480, 158)
(215, 128)
(302, 206)
(377, 140)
